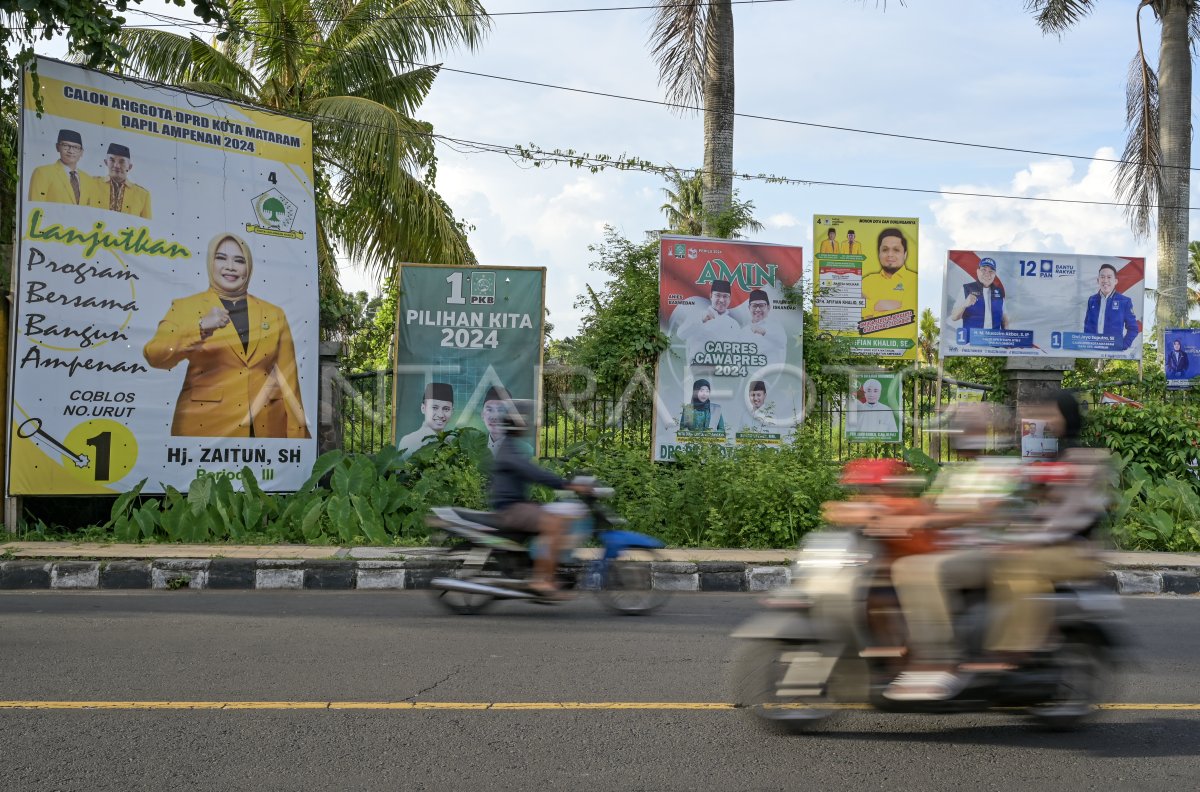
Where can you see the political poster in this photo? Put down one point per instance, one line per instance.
(866, 276)
(875, 408)
(164, 314)
(1182, 358)
(468, 340)
(999, 304)
(734, 372)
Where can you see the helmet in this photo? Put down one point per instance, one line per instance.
(872, 472)
(979, 426)
(520, 416)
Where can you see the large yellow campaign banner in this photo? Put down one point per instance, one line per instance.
(164, 321)
(866, 279)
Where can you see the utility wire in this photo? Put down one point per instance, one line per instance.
(489, 14)
(693, 108)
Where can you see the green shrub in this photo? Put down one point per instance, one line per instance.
(348, 499)
(1163, 439)
(1157, 513)
(749, 497)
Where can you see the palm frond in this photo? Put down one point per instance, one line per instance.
(351, 129)
(1056, 16)
(677, 45)
(168, 57)
(403, 93)
(391, 217)
(411, 30)
(1139, 174)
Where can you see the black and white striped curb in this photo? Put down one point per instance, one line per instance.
(333, 574)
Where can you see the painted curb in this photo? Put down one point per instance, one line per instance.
(379, 575)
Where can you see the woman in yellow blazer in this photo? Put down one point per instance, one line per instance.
(241, 379)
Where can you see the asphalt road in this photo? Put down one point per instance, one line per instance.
(319, 647)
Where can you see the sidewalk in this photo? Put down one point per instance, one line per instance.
(82, 565)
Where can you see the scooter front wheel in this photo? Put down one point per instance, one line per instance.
(764, 685)
(626, 585)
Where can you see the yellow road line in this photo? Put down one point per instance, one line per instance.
(455, 705)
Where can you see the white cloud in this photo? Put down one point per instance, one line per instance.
(782, 220)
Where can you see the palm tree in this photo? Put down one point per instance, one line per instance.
(928, 338)
(1155, 165)
(692, 42)
(684, 208)
(349, 66)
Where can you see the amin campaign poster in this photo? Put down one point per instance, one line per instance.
(164, 323)
(999, 304)
(1182, 358)
(468, 339)
(734, 373)
(866, 277)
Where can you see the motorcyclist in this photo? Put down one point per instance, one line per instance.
(1072, 494)
(966, 497)
(513, 474)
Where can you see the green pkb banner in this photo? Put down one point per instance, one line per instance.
(466, 337)
(875, 408)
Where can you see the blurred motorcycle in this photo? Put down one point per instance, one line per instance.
(498, 562)
(834, 637)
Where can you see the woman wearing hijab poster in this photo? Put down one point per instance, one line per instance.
(702, 414)
(241, 378)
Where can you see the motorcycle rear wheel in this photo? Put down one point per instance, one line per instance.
(758, 669)
(627, 586)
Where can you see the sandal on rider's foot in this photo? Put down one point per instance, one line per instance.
(548, 592)
(925, 686)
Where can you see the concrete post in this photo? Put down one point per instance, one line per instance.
(329, 411)
(1029, 378)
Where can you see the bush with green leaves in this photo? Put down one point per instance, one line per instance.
(1164, 439)
(746, 497)
(1157, 513)
(348, 499)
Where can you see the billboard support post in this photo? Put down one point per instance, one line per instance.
(12, 514)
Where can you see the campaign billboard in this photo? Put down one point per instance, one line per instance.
(164, 321)
(1182, 358)
(1001, 304)
(468, 339)
(875, 408)
(734, 372)
(866, 278)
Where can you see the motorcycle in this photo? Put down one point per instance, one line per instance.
(498, 563)
(834, 638)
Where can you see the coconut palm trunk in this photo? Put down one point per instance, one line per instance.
(1175, 138)
(692, 42)
(718, 113)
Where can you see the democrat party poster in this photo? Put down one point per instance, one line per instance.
(999, 304)
(875, 408)
(866, 274)
(468, 340)
(164, 321)
(734, 372)
(1182, 359)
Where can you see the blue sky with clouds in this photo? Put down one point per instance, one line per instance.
(968, 70)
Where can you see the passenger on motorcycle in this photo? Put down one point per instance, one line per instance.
(513, 475)
(966, 499)
(1072, 495)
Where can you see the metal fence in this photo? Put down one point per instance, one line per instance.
(571, 416)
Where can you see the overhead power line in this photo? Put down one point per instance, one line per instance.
(693, 108)
(490, 14)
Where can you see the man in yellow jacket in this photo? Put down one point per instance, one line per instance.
(115, 191)
(62, 181)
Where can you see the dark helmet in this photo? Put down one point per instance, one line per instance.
(520, 416)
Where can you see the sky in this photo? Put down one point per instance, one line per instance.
(976, 71)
